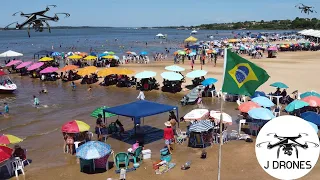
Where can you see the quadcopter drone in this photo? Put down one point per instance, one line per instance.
(37, 20)
(306, 9)
(286, 146)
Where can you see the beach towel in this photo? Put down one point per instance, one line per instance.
(127, 170)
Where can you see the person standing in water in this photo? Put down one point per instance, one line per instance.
(35, 101)
(6, 109)
(73, 85)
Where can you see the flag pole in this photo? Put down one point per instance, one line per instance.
(221, 117)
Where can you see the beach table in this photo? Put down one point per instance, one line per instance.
(273, 96)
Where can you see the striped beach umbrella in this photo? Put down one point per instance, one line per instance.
(75, 126)
(201, 126)
(99, 110)
(9, 139)
(93, 150)
(5, 153)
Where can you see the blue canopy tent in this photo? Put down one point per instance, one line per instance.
(140, 109)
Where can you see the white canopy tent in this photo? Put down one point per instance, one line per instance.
(10, 54)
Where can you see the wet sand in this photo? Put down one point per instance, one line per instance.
(41, 127)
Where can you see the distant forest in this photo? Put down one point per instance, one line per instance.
(297, 23)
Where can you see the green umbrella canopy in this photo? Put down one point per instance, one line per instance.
(100, 111)
(296, 104)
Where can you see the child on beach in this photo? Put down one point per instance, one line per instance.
(73, 85)
(89, 89)
(35, 101)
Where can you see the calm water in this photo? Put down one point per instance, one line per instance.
(40, 127)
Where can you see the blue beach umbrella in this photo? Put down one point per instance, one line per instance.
(144, 53)
(55, 54)
(261, 113)
(145, 74)
(171, 76)
(311, 117)
(103, 54)
(201, 126)
(174, 68)
(296, 104)
(263, 101)
(196, 73)
(93, 54)
(258, 93)
(209, 81)
(93, 150)
(309, 93)
(315, 127)
(279, 85)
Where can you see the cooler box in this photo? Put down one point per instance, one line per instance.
(146, 154)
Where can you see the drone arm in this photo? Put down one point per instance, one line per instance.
(277, 144)
(299, 144)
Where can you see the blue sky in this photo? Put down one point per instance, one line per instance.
(137, 13)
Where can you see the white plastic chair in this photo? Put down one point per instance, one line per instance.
(17, 165)
(241, 122)
(76, 144)
(238, 102)
(181, 136)
(213, 92)
(90, 135)
(277, 111)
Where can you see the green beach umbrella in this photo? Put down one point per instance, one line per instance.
(100, 111)
(111, 53)
(279, 85)
(296, 104)
(181, 52)
(309, 93)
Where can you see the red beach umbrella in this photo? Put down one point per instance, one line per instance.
(247, 106)
(312, 100)
(5, 153)
(75, 126)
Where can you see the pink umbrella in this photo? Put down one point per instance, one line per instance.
(24, 64)
(49, 70)
(13, 62)
(35, 66)
(273, 48)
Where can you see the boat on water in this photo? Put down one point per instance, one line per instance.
(6, 84)
(194, 32)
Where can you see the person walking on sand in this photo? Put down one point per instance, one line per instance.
(141, 95)
(35, 101)
(168, 135)
(200, 105)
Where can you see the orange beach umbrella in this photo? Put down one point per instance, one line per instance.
(69, 67)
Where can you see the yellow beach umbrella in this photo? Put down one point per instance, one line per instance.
(107, 72)
(90, 58)
(75, 126)
(75, 57)
(108, 57)
(46, 59)
(7, 139)
(87, 70)
(125, 71)
(191, 39)
(233, 40)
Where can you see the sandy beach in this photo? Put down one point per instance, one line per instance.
(297, 69)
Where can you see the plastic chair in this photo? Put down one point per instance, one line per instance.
(121, 158)
(76, 144)
(17, 165)
(137, 154)
(241, 122)
(213, 92)
(84, 162)
(277, 111)
(90, 135)
(181, 136)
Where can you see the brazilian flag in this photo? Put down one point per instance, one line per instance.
(241, 76)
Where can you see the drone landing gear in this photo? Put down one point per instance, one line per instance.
(28, 30)
(48, 26)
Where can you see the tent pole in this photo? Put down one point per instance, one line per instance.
(104, 116)
(221, 139)
(178, 119)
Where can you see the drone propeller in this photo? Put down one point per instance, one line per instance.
(269, 134)
(315, 144)
(299, 5)
(17, 13)
(67, 14)
(259, 145)
(51, 6)
(7, 27)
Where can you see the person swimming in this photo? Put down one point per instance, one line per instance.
(43, 91)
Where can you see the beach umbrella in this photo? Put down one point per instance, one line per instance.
(209, 81)
(196, 73)
(191, 39)
(296, 104)
(75, 57)
(83, 54)
(108, 57)
(273, 48)
(10, 54)
(107, 72)
(111, 53)
(174, 68)
(7, 139)
(247, 106)
(144, 53)
(13, 62)
(192, 54)
(116, 57)
(2, 73)
(99, 110)
(309, 93)
(182, 52)
(24, 64)
(46, 59)
(312, 100)
(201, 126)
(311, 117)
(75, 126)
(5, 153)
(103, 54)
(90, 58)
(128, 52)
(258, 93)
(106, 52)
(261, 113)
(87, 70)
(70, 53)
(125, 71)
(93, 150)
(217, 115)
(93, 54)
(55, 54)
(49, 70)
(145, 74)
(279, 85)
(263, 101)
(314, 126)
(35, 66)
(133, 53)
(69, 67)
(171, 76)
(196, 114)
